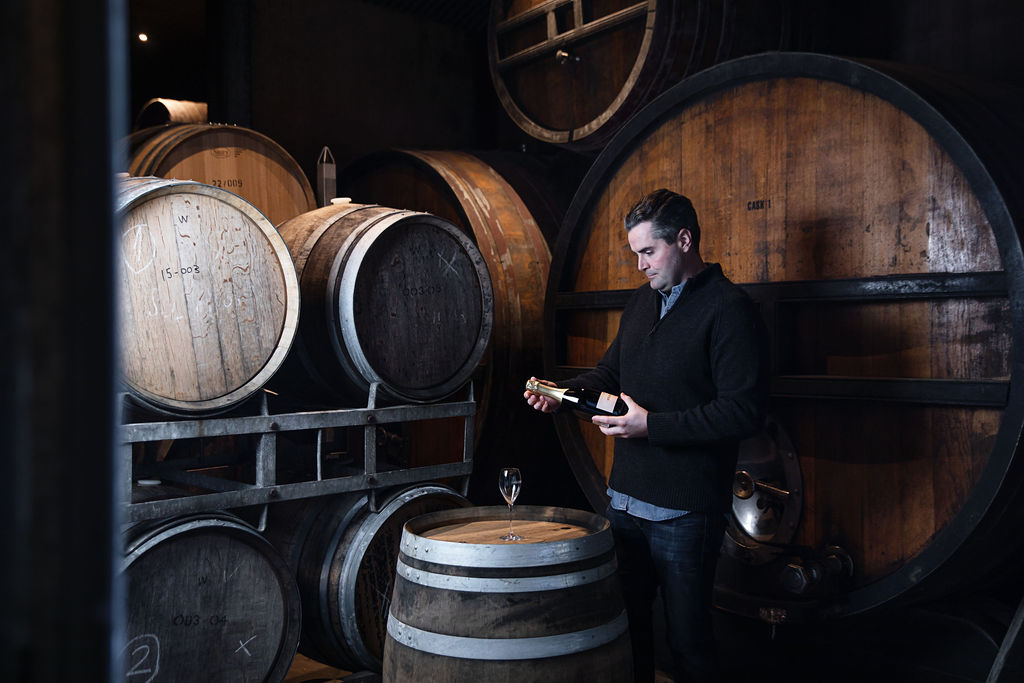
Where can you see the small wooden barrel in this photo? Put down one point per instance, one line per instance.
(233, 158)
(573, 73)
(468, 606)
(401, 298)
(208, 599)
(344, 555)
(161, 110)
(208, 295)
(873, 211)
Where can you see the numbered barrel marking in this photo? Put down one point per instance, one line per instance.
(142, 658)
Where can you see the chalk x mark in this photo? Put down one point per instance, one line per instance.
(448, 263)
(242, 646)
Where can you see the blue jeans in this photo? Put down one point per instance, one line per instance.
(680, 556)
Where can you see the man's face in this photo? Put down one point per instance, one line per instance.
(660, 261)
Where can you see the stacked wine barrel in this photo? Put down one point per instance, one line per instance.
(393, 297)
(209, 298)
(873, 212)
(510, 205)
(208, 599)
(240, 160)
(210, 313)
(344, 556)
(467, 191)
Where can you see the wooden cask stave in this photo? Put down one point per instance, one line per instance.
(208, 296)
(237, 159)
(573, 73)
(871, 210)
(208, 599)
(343, 555)
(467, 606)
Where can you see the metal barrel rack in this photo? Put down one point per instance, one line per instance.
(265, 427)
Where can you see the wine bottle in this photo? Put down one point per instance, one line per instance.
(588, 401)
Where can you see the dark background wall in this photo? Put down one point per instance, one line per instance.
(363, 75)
(356, 75)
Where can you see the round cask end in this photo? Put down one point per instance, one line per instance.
(208, 599)
(237, 159)
(398, 298)
(872, 211)
(468, 606)
(161, 110)
(573, 73)
(208, 295)
(463, 189)
(343, 555)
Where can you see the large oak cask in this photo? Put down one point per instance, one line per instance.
(208, 599)
(572, 72)
(243, 161)
(397, 298)
(468, 606)
(208, 299)
(343, 554)
(872, 211)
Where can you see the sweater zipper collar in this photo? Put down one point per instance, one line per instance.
(693, 283)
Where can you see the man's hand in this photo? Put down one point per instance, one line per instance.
(544, 404)
(632, 425)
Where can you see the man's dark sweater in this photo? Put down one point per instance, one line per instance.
(700, 373)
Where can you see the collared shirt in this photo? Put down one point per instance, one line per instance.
(641, 509)
(635, 506)
(669, 300)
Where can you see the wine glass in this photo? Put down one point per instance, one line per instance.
(509, 483)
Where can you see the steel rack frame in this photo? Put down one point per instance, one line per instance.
(226, 494)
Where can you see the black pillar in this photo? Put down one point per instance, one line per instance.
(64, 92)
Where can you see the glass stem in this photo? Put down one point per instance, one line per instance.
(510, 520)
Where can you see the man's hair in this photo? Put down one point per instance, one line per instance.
(668, 212)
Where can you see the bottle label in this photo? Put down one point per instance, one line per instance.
(606, 402)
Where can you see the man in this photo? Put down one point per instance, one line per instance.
(688, 361)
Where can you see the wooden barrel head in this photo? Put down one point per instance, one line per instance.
(208, 598)
(400, 298)
(486, 531)
(208, 295)
(882, 252)
(573, 72)
(463, 189)
(233, 158)
(405, 284)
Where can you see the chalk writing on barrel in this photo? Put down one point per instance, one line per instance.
(448, 263)
(242, 646)
(137, 248)
(144, 653)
